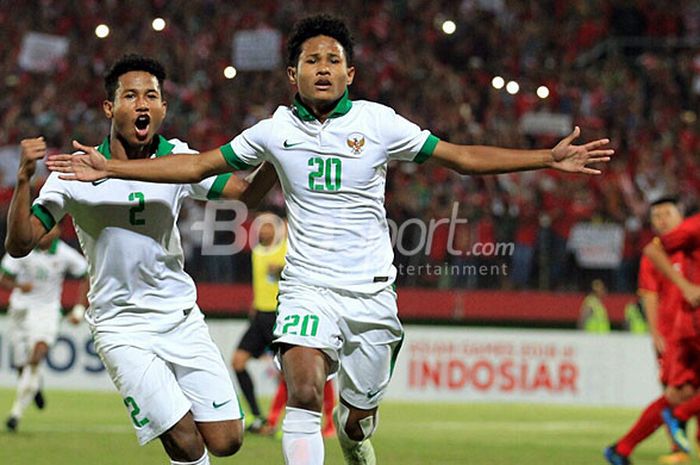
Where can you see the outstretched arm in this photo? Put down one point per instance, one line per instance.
(479, 159)
(24, 229)
(91, 166)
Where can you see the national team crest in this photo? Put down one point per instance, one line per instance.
(356, 142)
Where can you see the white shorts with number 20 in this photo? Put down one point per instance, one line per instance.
(360, 333)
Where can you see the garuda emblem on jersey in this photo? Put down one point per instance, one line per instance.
(356, 142)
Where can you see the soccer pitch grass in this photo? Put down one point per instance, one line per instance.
(87, 428)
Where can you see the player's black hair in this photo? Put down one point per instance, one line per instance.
(132, 62)
(318, 25)
(665, 199)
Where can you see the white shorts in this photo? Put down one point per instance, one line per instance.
(27, 327)
(360, 333)
(163, 375)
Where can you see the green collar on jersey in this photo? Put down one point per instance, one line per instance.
(304, 113)
(164, 147)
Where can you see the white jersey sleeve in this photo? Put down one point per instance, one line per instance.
(50, 206)
(10, 265)
(249, 148)
(405, 140)
(75, 263)
(207, 189)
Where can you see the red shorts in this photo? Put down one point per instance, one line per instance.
(682, 362)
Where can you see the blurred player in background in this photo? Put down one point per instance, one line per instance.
(337, 304)
(268, 261)
(146, 325)
(662, 302)
(684, 351)
(36, 282)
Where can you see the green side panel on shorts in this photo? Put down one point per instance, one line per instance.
(44, 216)
(395, 355)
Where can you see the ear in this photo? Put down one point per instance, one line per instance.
(292, 75)
(165, 107)
(351, 74)
(108, 108)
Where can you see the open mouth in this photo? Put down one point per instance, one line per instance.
(142, 124)
(323, 84)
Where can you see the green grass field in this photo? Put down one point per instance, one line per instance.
(93, 429)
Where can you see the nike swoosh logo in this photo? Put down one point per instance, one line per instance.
(287, 145)
(215, 405)
(371, 394)
(99, 181)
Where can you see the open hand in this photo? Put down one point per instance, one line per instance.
(576, 158)
(90, 165)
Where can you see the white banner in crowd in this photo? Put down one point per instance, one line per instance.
(257, 50)
(435, 365)
(40, 52)
(597, 245)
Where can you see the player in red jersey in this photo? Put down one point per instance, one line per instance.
(662, 301)
(684, 353)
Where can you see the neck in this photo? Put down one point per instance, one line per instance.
(120, 148)
(321, 109)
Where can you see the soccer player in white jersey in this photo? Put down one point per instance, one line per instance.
(337, 306)
(34, 312)
(146, 325)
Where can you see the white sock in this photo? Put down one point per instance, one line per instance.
(203, 460)
(27, 388)
(302, 443)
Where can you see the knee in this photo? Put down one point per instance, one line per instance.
(226, 447)
(306, 395)
(183, 445)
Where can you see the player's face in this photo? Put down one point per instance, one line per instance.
(665, 217)
(322, 74)
(138, 109)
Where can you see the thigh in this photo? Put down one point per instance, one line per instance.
(305, 319)
(19, 337)
(149, 389)
(683, 359)
(372, 337)
(200, 371)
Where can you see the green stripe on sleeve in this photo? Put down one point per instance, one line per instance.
(218, 187)
(7, 272)
(43, 215)
(232, 159)
(427, 150)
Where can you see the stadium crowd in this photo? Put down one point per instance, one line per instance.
(643, 94)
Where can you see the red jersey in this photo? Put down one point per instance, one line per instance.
(686, 240)
(670, 297)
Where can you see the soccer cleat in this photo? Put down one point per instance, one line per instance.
(39, 400)
(11, 424)
(257, 425)
(674, 458)
(614, 458)
(675, 428)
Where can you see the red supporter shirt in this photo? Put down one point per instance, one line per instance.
(670, 297)
(686, 240)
